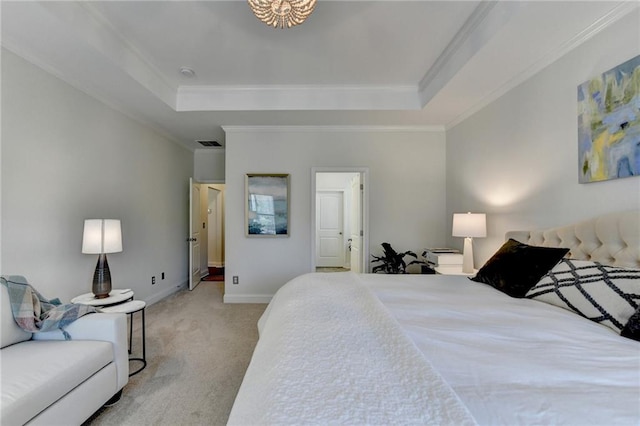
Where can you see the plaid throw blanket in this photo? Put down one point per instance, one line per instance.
(34, 313)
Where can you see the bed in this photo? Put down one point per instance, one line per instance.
(344, 348)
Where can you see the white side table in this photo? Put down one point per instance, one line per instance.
(131, 308)
(115, 296)
(120, 301)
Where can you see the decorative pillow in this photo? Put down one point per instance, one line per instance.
(632, 329)
(608, 295)
(10, 331)
(516, 267)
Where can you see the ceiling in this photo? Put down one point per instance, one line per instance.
(352, 63)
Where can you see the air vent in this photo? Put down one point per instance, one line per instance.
(209, 143)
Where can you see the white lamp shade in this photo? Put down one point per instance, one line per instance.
(101, 236)
(469, 225)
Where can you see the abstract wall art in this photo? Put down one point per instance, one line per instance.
(267, 205)
(609, 124)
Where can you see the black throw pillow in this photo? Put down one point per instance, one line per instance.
(516, 267)
(632, 329)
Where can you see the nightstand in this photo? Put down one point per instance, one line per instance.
(453, 270)
(444, 261)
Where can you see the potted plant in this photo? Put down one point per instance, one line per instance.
(393, 262)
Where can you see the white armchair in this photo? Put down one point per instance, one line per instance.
(49, 380)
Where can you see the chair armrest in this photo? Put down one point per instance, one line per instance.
(108, 327)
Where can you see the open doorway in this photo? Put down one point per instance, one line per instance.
(212, 212)
(339, 213)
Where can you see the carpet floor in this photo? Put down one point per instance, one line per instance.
(198, 349)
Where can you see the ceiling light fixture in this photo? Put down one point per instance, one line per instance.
(282, 13)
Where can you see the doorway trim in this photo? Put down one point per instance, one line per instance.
(364, 174)
(215, 228)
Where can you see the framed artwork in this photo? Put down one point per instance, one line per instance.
(609, 124)
(267, 205)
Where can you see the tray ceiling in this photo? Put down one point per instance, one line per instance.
(352, 63)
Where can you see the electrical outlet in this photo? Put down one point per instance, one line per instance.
(153, 280)
(163, 275)
(235, 279)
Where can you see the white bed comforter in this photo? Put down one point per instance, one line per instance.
(330, 353)
(516, 361)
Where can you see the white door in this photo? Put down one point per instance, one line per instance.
(215, 240)
(194, 234)
(329, 229)
(355, 218)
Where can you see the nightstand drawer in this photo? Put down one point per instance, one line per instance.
(453, 270)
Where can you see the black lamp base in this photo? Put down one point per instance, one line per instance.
(101, 278)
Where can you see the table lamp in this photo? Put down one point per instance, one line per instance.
(101, 236)
(469, 225)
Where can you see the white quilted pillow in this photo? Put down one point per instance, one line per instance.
(608, 295)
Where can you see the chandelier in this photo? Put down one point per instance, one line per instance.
(282, 13)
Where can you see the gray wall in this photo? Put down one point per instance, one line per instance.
(406, 202)
(208, 165)
(517, 159)
(67, 157)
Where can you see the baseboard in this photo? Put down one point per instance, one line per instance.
(247, 298)
(166, 293)
(215, 264)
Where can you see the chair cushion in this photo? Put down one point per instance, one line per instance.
(35, 374)
(10, 332)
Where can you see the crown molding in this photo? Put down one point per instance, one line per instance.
(316, 129)
(601, 24)
(90, 92)
(94, 29)
(294, 97)
(97, 32)
(485, 21)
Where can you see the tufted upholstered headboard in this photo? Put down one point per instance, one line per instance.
(611, 239)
